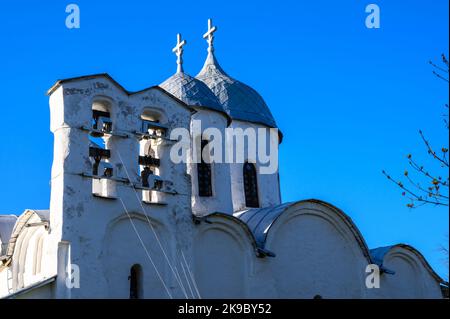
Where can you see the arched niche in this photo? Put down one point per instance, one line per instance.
(222, 260)
(316, 254)
(413, 277)
(407, 280)
(123, 248)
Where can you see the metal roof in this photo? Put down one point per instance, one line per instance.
(239, 101)
(212, 88)
(259, 220)
(7, 223)
(191, 91)
(44, 215)
(379, 253)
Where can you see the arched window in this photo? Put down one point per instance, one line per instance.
(250, 185)
(204, 175)
(135, 282)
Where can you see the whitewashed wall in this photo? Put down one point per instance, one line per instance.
(412, 278)
(268, 184)
(85, 221)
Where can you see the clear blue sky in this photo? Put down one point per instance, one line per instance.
(349, 100)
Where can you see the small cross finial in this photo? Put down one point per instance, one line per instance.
(178, 50)
(209, 36)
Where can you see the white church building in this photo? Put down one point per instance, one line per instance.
(125, 221)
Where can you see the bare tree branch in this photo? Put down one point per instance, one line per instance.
(415, 196)
(435, 188)
(432, 152)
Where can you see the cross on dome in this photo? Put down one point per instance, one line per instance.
(209, 36)
(178, 50)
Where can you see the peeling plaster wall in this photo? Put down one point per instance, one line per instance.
(84, 220)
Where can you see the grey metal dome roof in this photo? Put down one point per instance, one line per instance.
(191, 91)
(239, 101)
(260, 220)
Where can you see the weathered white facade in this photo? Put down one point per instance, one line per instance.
(122, 238)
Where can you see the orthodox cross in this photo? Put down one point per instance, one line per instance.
(178, 50)
(209, 36)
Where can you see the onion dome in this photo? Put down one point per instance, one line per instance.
(191, 91)
(186, 88)
(239, 100)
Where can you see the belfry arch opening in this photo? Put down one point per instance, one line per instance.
(153, 136)
(101, 117)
